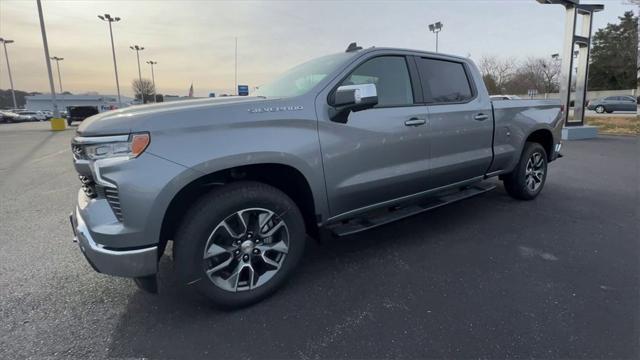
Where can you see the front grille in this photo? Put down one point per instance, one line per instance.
(111, 194)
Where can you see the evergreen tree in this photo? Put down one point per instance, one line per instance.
(613, 55)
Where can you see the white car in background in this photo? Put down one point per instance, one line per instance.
(504, 97)
(27, 115)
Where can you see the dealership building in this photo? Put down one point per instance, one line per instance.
(101, 102)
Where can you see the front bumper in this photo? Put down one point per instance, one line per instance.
(126, 263)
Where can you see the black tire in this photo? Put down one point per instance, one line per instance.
(214, 208)
(517, 183)
(600, 109)
(609, 111)
(69, 122)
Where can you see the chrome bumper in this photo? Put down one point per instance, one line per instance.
(127, 263)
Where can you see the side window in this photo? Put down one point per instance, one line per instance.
(444, 81)
(391, 77)
(611, 98)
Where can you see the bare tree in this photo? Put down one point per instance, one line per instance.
(543, 73)
(497, 72)
(143, 89)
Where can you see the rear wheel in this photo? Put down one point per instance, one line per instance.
(239, 243)
(526, 181)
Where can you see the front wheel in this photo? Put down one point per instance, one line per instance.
(526, 181)
(239, 243)
(600, 109)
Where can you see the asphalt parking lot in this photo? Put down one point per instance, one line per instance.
(489, 277)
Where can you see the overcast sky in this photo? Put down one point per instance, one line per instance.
(193, 41)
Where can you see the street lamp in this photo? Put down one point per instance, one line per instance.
(13, 92)
(137, 50)
(56, 122)
(436, 28)
(556, 57)
(109, 19)
(58, 59)
(153, 78)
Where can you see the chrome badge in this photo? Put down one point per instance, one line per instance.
(275, 109)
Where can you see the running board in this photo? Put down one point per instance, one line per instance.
(382, 217)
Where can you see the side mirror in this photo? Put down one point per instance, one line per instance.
(348, 98)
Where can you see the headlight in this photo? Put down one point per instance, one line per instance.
(120, 146)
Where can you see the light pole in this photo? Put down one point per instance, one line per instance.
(13, 92)
(236, 66)
(109, 19)
(556, 57)
(137, 49)
(56, 113)
(153, 78)
(58, 59)
(436, 28)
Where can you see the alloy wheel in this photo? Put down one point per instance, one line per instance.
(246, 249)
(534, 171)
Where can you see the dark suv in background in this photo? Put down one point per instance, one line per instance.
(79, 113)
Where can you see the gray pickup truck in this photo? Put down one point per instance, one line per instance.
(337, 145)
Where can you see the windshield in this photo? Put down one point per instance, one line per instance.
(303, 77)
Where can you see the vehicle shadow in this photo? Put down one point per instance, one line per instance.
(177, 323)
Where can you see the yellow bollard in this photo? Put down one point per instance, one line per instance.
(57, 124)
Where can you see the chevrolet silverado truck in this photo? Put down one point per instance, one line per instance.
(337, 145)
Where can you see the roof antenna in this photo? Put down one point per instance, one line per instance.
(353, 47)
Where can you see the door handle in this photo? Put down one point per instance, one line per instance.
(481, 117)
(415, 122)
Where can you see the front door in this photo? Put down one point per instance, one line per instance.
(379, 154)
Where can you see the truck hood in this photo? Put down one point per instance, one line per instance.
(138, 117)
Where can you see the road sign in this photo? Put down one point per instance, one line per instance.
(243, 90)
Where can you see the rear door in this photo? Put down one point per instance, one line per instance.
(460, 122)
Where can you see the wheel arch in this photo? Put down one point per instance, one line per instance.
(284, 177)
(543, 137)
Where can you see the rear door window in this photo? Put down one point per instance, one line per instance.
(444, 81)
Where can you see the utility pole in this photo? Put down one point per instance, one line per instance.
(436, 28)
(56, 113)
(153, 78)
(109, 19)
(58, 59)
(13, 92)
